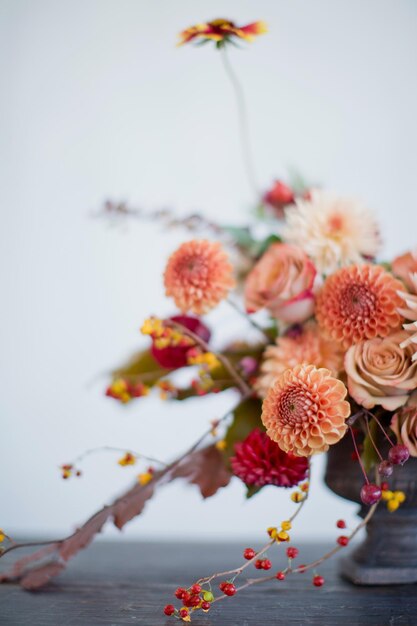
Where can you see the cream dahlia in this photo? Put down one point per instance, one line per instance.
(305, 410)
(301, 344)
(380, 372)
(359, 302)
(198, 276)
(409, 311)
(333, 231)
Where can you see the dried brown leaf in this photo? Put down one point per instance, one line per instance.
(39, 576)
(206, 469)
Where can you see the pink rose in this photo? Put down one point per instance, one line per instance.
(404, 425)
(380, 372)
(282, 282)
(404, 266)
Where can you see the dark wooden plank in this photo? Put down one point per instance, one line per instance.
(120, 584)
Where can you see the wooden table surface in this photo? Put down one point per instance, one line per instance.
(120, 584)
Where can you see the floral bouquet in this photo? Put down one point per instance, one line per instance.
(334, 357)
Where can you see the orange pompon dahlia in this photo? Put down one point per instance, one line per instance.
(221, 30)
(359, 302)
(300, 344)
(198, 276)
(305, 410)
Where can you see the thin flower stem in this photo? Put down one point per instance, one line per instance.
(358, 455)
(248, 319)
(381, 427)
(372, 439)
(243, 121)
(241, 383)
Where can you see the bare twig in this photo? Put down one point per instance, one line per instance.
(241, 383)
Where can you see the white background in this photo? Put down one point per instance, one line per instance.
(97, 102)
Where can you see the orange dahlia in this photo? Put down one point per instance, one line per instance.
(305, 410)
(221, 31)
(359, 302)
(300, 344)
(198, 276)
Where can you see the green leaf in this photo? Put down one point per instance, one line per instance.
(262, 246)
(141, 366)
(246, 417)
(241, 235)
(252, 490)
(297, 181)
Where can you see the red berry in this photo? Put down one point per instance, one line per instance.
(280, 575)
(180, 593)
(385, 469)
(169, 609)
(249, 553)
(343, 540)
(183, 612)
(229, 589)
(318, 581)
(301, 569)
(266, 564)
(384, 486)
(194, 600)
(195, 589)
(258, 564)
(205, 606)
(398, 454)
(186, 598)
(223, 585)
(341, 523)
(370, 493)
(292, 553)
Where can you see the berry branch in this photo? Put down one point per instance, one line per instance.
(241, 383)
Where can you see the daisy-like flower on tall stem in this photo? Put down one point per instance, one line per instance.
(359, 302)
(305, 410)
(300, 344)
(224, 32)
(221, 31)
(198, 276)
(333, 231)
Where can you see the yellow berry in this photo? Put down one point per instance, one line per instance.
(272, 532)
(399, 496)
(2, 536)
(283, 536)
(145, 478)
(392, 505)
(221, 445)
(297, 497)
(286, 525)
(387, 495)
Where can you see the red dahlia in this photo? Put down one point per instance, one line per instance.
(259, 461)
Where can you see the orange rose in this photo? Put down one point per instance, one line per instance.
(404, 266)
(282, 282)
(380, 372)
